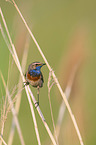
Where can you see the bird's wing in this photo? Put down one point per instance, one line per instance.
(42, 77)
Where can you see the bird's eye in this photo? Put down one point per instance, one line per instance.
(37, 64)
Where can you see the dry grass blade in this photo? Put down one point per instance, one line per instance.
(6, 41)
(3, 140)
(4, 111)
(18, 99)
(15, 57)
(54, 76)
(13, 112)
(67, 92)
(42, 118)
(50, 84)
(3, 115)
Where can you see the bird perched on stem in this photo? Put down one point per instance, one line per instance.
(34, 77)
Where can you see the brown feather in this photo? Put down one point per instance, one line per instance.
(32, 78)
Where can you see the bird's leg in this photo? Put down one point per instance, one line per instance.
(38, 94)
(38, 97)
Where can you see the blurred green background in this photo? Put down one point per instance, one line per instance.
(66, 32)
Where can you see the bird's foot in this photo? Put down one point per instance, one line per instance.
(25, 84)
(36, 104)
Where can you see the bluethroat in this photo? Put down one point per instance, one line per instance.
(34, 77)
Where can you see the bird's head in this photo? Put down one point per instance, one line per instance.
(35, 65)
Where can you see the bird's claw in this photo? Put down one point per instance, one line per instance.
(36, 104)
(26, 83)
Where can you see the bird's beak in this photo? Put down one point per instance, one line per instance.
(43, 64)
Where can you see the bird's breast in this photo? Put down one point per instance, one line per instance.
(35, 78)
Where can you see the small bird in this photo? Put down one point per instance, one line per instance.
(34, 77)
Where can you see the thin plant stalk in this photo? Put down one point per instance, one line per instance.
(53, 74)
(3, 121)
(15, 57)
(67, 92)
(3, 116)
(4, 110)
(18, 100)
(42, 118)
(50, 84)
(3, 140)
(13, 112)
